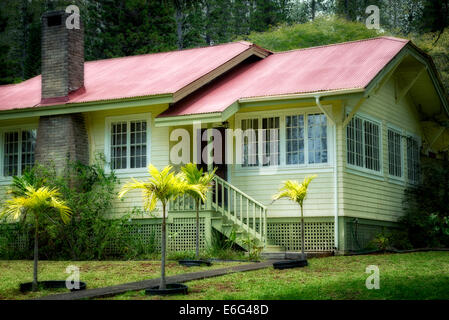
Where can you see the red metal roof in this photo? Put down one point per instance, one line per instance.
(348, 65)
(133, 76)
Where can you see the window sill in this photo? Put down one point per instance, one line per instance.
(396, 180)
(263, 171)
(129, 173)
(4, 181)
(365, 173)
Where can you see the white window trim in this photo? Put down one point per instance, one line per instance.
(418, 138)
(107, 142)
(353, 168)
(401, 131)
(283, 167)
(5, 180)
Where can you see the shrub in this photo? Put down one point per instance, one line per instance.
(91, 233)
(427, 213)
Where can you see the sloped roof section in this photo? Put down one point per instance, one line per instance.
(134, 76)
(349, 65)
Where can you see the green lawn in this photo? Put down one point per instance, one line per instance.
(95, 273)
(422, 275)
(402, 276)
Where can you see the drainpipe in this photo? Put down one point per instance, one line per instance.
(318, 103)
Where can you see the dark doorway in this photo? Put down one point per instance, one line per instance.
(222, 168)
(218, 162)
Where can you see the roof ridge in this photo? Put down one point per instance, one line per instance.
(346, 42)
(245, 43)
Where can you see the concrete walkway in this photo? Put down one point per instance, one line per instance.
(141, 285)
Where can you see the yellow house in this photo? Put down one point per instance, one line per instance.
(360, 115)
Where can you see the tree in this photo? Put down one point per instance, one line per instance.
(161, 186)
(296, 192)
(34, 201)
(195, 176)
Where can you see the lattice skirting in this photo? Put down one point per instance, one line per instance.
(181, 234)
(359, 236)
(10, 239)
(319, 236)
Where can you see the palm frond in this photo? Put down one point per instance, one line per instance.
(293, 190)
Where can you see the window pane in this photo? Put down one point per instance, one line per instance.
(138, 144)
(372, 148)
(11, 153)
(294, 126)
(118, 145)
(28, 145)
(317, 138)
(394, 154)
(413, 166)
(270, 141)
(250, 142)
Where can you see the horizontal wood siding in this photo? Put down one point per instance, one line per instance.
(159, 151)
(378, 198)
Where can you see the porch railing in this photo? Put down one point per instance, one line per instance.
(232, 203)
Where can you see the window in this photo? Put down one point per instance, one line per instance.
(317, 138)
(394, 153)
(128, 143)
(270, 139)
(304, 140)
(250, 142)
(18, 151)
(412, 160)
(294, 126)
(363, 144)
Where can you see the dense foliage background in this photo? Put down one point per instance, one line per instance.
(116, 28)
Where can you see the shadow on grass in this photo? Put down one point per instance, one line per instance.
(391, 287)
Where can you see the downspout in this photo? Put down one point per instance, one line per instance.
(318, 103)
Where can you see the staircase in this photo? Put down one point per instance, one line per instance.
(243, 218)
(234, 214)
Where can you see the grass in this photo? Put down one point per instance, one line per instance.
(95, 273)
(422, 275)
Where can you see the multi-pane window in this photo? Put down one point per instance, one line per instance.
(304, 140)
(250, 142)
(412, 160)
(270, 139)
(138, 144)
(363, 144)
(317, 138)
(18, 151)
(128, 144)
(354, 138)
(394, 153)
(372, 146)
(294, 129)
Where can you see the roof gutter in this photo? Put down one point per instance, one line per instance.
(38, 111)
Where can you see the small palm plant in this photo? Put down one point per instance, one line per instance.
(195, 176)
(29, 200)
(296, 192)
(161, 186)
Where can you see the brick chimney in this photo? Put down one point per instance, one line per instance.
(61, 137)
(62, 57)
